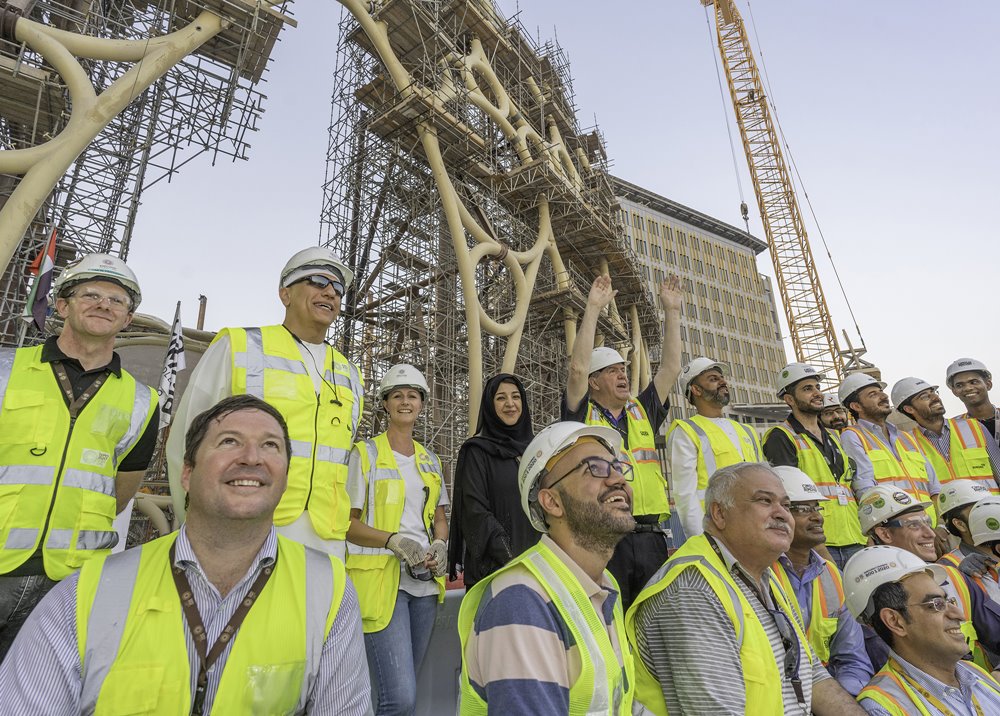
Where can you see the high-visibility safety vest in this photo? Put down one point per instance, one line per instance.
(715, 449)
(57, 475)
(840, 510)
(649, 486)
(267, 363)
(604, 686)
(954, 559)
(827, 599)
(967, 459)
(133, 650)
(961, 592)
(891, 689)
(761, 679)
(375, 571)
(907, 473)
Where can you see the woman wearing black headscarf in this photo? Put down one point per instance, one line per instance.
(488, 526)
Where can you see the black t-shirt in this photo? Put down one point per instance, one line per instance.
(779, 450)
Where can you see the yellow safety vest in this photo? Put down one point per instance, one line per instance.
(604, 686)
(57, 476)
(375, 571)
(715, 449)
(133, 650)
(961, 588)
(827, 599)
(267, 363)
(907, 473)
(891, 690)
(968, 458)
(649, 487)
(761, 679)
(840, 521)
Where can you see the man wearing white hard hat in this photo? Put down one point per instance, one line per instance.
(802, 442)
(545, 633)
(815, 588)
(598, 392)
(971, 382)
(77, 433)
(834, 415)
(318, 391)
(902, 598)
(975, 560)
(882, 453)
(704, 443)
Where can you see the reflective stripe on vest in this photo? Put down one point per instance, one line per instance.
(267, 362)
(908, 472)
(958, 585)
(715, 449)
(57, 475)
(375, 570)
(649, 486)
(890, 691)
(967, 455)
(827, 597)
(133, 649)
(605, 686)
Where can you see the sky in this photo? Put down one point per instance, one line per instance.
(889, 110)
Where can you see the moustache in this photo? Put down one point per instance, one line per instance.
(779, 525)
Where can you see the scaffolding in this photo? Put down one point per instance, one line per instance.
(207, 103)
(472, 207)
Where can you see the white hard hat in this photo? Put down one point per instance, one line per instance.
(312, 261)
(984, 521)
(882, 503)
(855, 382)
(549, 442)
(601, 358)
(793, 373)
(959, 493)
(872, 567)
(965, 364)
(906, 388)
(798, 486)
(99, 267)
(403, 375)
(698, 366)
(830, 400)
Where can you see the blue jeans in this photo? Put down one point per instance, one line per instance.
(396, 652)
(18, 596)
(842, 554)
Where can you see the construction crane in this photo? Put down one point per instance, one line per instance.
(809, 323)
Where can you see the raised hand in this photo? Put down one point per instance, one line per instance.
(601, 293)
(671, 294)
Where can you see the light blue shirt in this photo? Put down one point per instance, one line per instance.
(864, 474)
(959, 701)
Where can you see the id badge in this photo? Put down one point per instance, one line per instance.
(841, 495)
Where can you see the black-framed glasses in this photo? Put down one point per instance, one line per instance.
(600, 468)
(804, 509)
(320, 282)
(937, 604)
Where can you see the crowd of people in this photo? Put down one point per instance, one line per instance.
(836, 565)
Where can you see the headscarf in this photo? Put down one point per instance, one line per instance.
(493, 435)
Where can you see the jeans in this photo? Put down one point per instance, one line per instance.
(842, 554)
(18, 596)
(396, 652)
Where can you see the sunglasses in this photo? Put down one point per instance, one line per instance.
(320, 282)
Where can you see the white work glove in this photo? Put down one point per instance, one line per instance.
(406, 549)
(977, 565)
(438, 553)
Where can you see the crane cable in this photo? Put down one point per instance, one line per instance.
(791, 160)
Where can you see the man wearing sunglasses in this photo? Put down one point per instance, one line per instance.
(317, 390)
(544, 635)
(714, 630)
(901, 597)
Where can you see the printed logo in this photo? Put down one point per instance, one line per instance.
(993, 523)
(94, 458)
(809, 487)
(902, 498)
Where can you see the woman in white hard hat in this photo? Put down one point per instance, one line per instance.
(396, 552)
(488, 526)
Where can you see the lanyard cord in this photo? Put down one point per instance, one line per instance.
(76, 404)
(895, 667)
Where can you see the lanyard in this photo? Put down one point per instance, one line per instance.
(208, 657)
(926, 695)
(76, 404)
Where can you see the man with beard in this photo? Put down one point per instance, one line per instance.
(545, 635)
(882, 453)
(714, 630)
(803, 443)
(598, 393)
(834, 415)
(703, 443)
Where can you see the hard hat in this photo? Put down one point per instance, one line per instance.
(316, 260)
(853, 383)
(698, 366)
(798, 486)
(99, 267)
(872, 567)
(906, 388)
(403, 375)
(792, 374)
(830, 400)
(965, 364)
(984, 520)
(548, 443)
(601, 358)
(882, 503)
(956, 494)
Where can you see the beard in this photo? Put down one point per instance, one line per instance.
(594, 528)
(716, 396)
(806, 407)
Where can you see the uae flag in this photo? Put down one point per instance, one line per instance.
(173, 363)
(41, 268)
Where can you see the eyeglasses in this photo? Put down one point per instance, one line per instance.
(804, 509)
(914, 524)
(790, 641)
(93, 298)
(937, 604)
(600, 468)
(320, 282)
